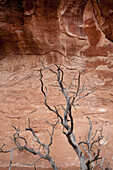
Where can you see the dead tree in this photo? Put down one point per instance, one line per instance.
(87, 150)
(46, 148)
(71, 97)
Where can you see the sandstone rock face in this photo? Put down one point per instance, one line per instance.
(75, 33)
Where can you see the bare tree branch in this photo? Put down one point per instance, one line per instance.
(87, 150)
(46, 148)
(71, 97)
(11, 151)
(92, 143)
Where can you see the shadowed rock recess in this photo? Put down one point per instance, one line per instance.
(77, 34)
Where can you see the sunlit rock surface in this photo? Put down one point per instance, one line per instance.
(77, 34)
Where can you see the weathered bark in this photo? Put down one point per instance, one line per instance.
(52, 163)
(78, 151)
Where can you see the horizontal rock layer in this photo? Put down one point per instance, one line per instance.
(77, 34)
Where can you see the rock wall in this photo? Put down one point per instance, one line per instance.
(77, 34)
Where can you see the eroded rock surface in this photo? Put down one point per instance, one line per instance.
(78, 35)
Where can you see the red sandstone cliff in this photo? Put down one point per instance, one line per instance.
(75, 33)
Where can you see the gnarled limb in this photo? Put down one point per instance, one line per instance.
(46, 148)
(91, 146)
(71, 97)
(70, 100)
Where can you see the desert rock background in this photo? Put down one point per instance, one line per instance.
(74, 33)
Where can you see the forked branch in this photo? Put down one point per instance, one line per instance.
(91, 147)
(46, 148)
(71, 97)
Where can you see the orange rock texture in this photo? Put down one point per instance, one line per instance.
(77, 34)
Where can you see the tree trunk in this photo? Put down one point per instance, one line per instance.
(72, 141)
(82, 163)
(54, 166)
